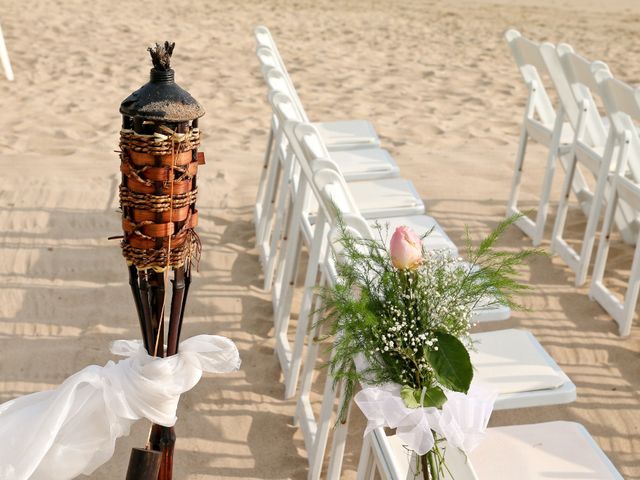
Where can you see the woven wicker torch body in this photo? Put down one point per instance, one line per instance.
(159, 162)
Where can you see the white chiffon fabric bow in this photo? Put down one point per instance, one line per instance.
(72, 430)
(462, 420)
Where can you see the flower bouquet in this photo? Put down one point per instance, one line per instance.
(400, 320)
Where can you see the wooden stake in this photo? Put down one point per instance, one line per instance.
(143, 464)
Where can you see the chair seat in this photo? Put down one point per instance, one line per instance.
(514, 364)
(345, 134)
(389, 197)
(381, 198)
(550, 451)
(554, 450)
(365, 163)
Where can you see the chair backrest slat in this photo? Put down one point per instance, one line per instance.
(531, 64)
(580, 74)
(559, 79)
(265, 43)
(629, 191)
(619, 96)
(622, 103)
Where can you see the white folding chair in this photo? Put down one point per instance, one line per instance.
(394, 196)
(552, 450)
(308, 228)
(4, 58)
(595, 158)
(511, 362)
(542, 123)
(317, 237)
(339, 134)
(367, 163)
(307, 147)
(623, 106)
(316, 430)
(592, 142)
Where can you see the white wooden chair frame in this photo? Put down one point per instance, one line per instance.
(371, 163)
(623, 105)
(354, 133)
(299, 231)
(316, 431)
(580, 74)
(397, 206)
(264, 40)
(594, 139)
(4, 58)
(302, 139)
(542, 123)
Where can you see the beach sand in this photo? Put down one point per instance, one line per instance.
(439, 84)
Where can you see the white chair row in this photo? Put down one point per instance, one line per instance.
(623, 103)
(576, 125)
(510, 361)
(361, 160)
(303, 182)
(587, 142)
(342, 136)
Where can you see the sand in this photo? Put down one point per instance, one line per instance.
(438, 82)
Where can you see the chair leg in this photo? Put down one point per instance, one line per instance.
(543, 204)
(525, 224)
(339, 442)
(557, 243)
(512, 205)
(276, 186)
(263, 179)
(287, 257)
(547, 182)
(631, 297)
(312, 354)
(283, 312)
(597, 277)
(592, 225)
(279, 226)
(579, 185)
(365, 463)
(322, 433)
(291, 376)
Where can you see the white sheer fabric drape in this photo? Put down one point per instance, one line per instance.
(72, 430)
(462, 420)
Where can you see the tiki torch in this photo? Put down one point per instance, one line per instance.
(159, 161)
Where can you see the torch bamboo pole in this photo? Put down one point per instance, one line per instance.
(137, 298)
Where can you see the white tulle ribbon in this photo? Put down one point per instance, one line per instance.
(462, 420)
(72, 430)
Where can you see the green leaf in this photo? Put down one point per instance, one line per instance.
(433, 397)
(451, 363)
(408, 397)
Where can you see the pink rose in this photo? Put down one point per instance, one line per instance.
(405, 249)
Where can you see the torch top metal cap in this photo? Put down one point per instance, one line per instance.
(162, 99)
